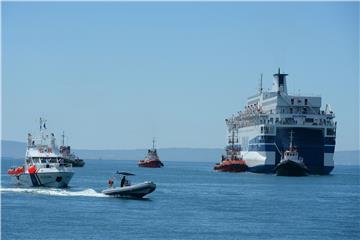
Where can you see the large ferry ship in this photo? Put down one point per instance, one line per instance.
(265, 124)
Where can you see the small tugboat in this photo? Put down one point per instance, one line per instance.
(291, 164)
(126, 189)
(68, 156)
(231, 162)
(151, 160)
(43, 166)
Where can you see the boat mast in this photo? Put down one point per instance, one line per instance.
(153, 143)
(42, 128)
(291, 140)
(261, 84)
(63, 138)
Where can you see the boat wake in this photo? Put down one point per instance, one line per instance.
(55, 192)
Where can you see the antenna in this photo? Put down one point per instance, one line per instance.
(153, 142)
(63, 138)
(261, 84)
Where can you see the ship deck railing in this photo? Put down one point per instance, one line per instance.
(248, 123)
(53, 165)
(246, 119)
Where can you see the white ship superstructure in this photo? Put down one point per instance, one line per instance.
(268, 118)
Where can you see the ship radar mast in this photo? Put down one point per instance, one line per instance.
(63, 138)
(53, 139)
(233, 138)
(153, 142)
(42, 129)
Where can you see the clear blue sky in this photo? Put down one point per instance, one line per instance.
(113, 75)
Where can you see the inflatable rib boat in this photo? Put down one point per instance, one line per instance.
(137, 190)
(126, 189)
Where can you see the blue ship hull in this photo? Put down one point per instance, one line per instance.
(311, 145)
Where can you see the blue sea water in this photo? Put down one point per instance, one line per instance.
(190, 202)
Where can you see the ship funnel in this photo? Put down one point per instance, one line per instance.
(279, 84)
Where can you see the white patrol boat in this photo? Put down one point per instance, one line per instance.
(43, 166)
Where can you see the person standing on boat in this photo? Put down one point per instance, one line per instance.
(123, 180)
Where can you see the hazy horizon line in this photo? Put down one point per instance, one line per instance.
(133, 149)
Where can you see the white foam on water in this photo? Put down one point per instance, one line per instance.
(55, 192)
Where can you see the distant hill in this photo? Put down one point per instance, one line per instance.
(13, 149)
(166, 154)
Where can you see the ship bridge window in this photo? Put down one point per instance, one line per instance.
(35, 160)
(53, 160)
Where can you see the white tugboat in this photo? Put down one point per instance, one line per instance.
(43, 165)
(291, 164)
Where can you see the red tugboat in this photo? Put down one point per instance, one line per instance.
(231, 162)
(151, 160)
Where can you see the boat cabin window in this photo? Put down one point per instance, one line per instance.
(35, 160)
(306, 101)
(53, 160)
(292, 101)
(43, 160)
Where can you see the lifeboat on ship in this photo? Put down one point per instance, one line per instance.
(16, 171)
